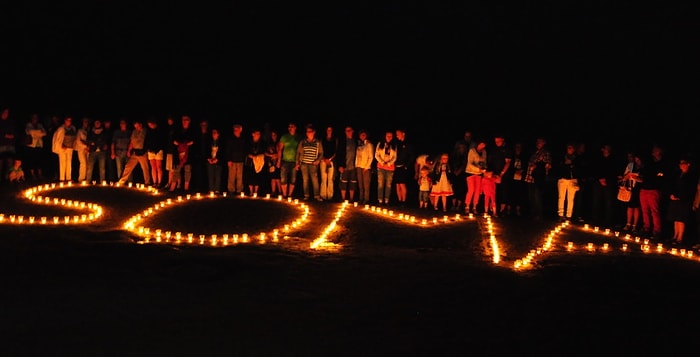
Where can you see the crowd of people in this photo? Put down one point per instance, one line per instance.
(499, 176)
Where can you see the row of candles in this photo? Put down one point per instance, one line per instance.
(31, 194)
(406, 218)
(159, 235)
(644, 244)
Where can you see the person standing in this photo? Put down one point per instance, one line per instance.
(538, 171)
(385, 154)
(363, 163)
(110, 164)
(458, 162)
(566, 170)
(136, 154)
(254, 168)
(604, 188)
(120, 145)
(214, 167)
(402, 166)
(286, 161)
(34, 147)
(681, 194)
(97, 150)
(171, 160)
(62, 145)
(499, 160)
(327, 166)
(236, 150)
(271, 156)
(8, 137)
(155, 149)
(183, 140)
(309, 154)
(346, 165)
(81, 148)
(654, 176)
(442, 188)
(630, 179)
(476, 167)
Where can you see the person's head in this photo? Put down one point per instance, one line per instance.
(97, 123)
(274, 136)
(444, 158)
(106, 123)
(363, 135)
(17, 163)
(540, 143)
(68, 121)
(215, 133)
(310, 131)
(34, 118)
(606, 150)
(518, 147)
(123, 125)
(349, 132)
(186, 120)
(292, 128)
(468, 137)
(329, 131)
(400, 134)
(255, 134)
(480, 144)
(5, 113)
(152, 123)
(499, 140)
(85, 122)
(430, 160)
(570, 149)
(170, 120)
(389, 136)
(204, 126)
(237, 130)
(424, 171)
(138, 124)
(684, 164)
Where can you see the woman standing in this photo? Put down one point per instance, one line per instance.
(682, 191)
(35, 147)
(364, 157)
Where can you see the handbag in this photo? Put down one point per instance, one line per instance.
(624, 193)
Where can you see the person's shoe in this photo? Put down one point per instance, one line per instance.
(319, 199)
(627, 227)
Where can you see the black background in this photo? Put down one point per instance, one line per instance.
(564, 69)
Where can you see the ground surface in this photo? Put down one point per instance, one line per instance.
(387, 288)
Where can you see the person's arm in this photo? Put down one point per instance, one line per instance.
(505, 167)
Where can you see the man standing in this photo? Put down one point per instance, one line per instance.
(62, 145)
(286, 161)
(236, 149)
(346, 165)
(402, 166)
(136, 154)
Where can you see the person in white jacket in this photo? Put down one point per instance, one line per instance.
(62, 144)
(363, 163)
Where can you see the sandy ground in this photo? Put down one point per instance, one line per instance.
(384, 287)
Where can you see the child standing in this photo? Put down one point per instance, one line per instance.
(443, 187)
(488, 188)
(424, 186)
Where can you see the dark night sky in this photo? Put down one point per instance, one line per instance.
(554, 66)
